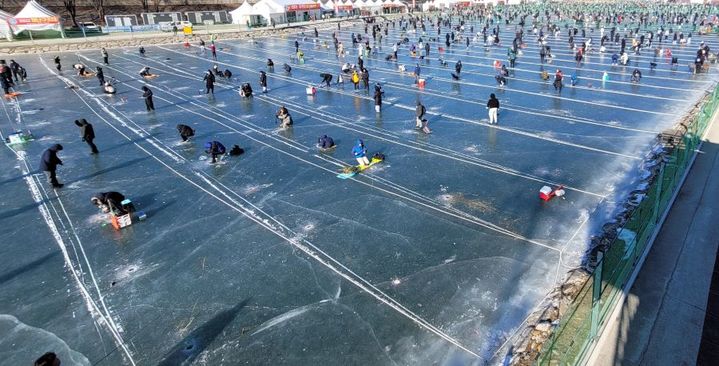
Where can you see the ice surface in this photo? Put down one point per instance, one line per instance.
(435, 256)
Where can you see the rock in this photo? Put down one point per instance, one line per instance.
(543, 327)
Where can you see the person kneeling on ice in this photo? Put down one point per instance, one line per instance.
(214, 149)
(270, 63)
(185, 132)
(109, 202)
(501, 80)
(544, 75)
(108, 88)
(145, 72)
(636, 76)
(227, 74)
(325, 142)
(246, 90)
(288, 68)
(573, 79)
(236, 150)
(359, 151)
(284, 116)
(81, 70)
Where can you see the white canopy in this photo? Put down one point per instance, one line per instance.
(438, 4)
(5, 27)
(328, 6)
(364, 4)
(242, 14)
(395, 3)
(35, 17)
(275, 10)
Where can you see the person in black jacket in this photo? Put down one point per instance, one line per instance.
(109, 202)
(100, 76)
(263, 81)
(48, 359)
(214, 149)
(326, 79)
(87, 133)
(419, 114)
(49, 163)
(378, 98)
(147, 94)
(58, 66)
(493, 107)
(185, 132)
(15, 68)
(209, 83)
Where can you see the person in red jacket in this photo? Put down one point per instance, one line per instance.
(558, 76)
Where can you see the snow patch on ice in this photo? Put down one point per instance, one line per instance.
(254, 188)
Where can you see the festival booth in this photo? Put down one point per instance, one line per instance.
(328, 9)
(247, 15)
(369, 7)
(345, 8)
(287, 11)
(5, 27)
(439, 5)
(34, 17)
(393, 7)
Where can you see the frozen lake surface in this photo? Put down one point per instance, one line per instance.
(435, 256)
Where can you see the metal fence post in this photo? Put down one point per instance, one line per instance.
(596, 295)
(658, 201)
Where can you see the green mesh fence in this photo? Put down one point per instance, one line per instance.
(578, 327)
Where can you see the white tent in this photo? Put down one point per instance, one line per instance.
(394, 6)
(33, 17)
(344, 7)
(5, 27)
(328, 6)
(438, 4)
(284, 11)
(242, 14)
(369, 6)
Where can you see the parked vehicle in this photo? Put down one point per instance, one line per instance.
(167, 26)
(88, 26)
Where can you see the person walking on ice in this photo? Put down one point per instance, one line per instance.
(493, 108)
(419, 113)
(87, 133)
(49, 163)
(147, 94)
(263, 81)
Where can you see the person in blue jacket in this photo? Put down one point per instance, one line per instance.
(214, 148)
(49, 163)
(417, 73)
(360, 153)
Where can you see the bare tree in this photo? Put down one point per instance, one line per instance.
(99, 6)
(145, 5)
(156, 3)
(71, 9)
